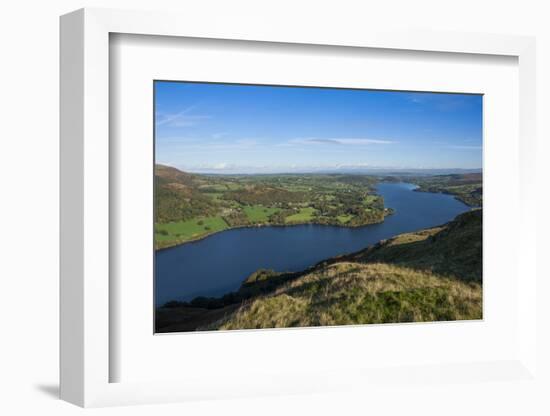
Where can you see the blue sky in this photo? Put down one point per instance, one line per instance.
(228, 128)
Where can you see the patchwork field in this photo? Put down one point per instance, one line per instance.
(188, 230)
(191, 206)
(304, 215)
(259, 213)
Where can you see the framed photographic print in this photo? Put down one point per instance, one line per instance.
(264, 211)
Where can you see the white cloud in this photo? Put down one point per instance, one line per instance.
(181, 119)
(219, 135)
(220, 166)
(458, 147)
(340, 141)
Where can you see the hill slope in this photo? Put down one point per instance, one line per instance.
(177, 196)
(354, 293)
(430, 275)
(453, 250)
(466, 187)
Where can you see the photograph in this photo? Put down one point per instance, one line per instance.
(245, 208)
(295, 206)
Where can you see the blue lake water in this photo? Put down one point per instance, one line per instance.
(219, 263)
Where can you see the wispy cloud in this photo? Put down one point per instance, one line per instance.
(204, 145)
(240, 144)
(416, 98)
(440, 101)
(446, 144)
(340, 141)
(221, 166)
(219, 135)
(460, 147)
(180, 119)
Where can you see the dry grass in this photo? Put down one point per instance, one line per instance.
(354, 293)
(454, 250)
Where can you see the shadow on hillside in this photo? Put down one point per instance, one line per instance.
(453, 251)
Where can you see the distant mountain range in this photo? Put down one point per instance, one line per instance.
(404, 172)
(388, 171)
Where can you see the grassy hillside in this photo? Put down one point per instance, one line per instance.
(453, 250)
(429, 275)
(354, 293)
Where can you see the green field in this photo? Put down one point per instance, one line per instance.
(369, 199)
(259, 213)
(304, 215)
(344, 218)
(188, 230)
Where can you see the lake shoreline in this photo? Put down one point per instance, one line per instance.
(219, 265)
(387, 212)
(444, 192)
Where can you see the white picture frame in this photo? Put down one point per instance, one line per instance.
(86, 353)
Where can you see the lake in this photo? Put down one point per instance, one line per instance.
(219, 263)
